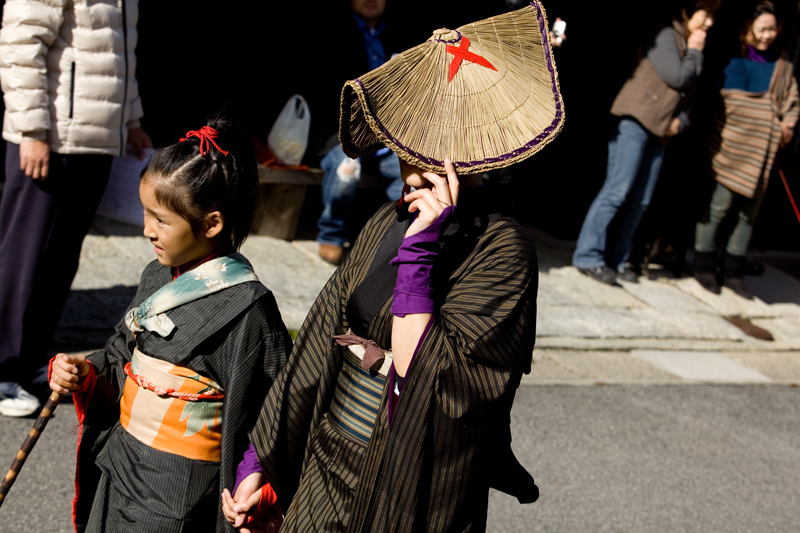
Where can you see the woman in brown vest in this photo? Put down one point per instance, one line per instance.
(651, 107)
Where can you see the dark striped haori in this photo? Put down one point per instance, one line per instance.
(748, 131)
(449, 439)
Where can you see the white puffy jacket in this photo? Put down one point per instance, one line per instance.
(67, 70)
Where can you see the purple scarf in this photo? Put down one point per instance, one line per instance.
(757, 56)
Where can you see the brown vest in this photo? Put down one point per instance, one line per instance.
(646, 97)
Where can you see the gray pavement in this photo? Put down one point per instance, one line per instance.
(631, 458)
(644, 411)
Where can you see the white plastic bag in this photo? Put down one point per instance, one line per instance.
(288, 137)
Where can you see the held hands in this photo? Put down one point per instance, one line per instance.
(34, 159)
(430, 202)
(697, 39)
(237, 509)
(68, 373)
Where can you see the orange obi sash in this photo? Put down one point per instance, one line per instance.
(171, 408)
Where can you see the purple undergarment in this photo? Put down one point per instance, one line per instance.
(413, 292)
(249, 465)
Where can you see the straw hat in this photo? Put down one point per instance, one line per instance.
(485, 95)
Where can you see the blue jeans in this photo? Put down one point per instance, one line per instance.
(339, 190)
(634, 162)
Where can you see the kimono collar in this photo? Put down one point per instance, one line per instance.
(212, 276)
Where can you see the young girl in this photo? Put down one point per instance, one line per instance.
(164, 408)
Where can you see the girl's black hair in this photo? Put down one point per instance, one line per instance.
(193, 185)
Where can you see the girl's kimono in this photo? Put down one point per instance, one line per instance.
(428, 464)
(137, 472)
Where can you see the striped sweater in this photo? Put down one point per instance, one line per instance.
(747, 131)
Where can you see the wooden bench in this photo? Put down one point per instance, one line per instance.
(282, 193)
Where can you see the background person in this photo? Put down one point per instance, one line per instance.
(755, 116)
(368, 44)
(651, 107)
(72, 101)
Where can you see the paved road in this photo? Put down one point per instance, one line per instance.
(606, 458)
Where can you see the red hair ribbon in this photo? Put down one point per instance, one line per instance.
(206, 134)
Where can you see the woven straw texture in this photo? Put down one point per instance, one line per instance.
(485, 96)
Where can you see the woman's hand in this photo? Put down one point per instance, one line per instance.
(68, 373)
(787, 132)
(34, 159)
(674, 128)
(140, 140)
(697, 39)
(431, 202)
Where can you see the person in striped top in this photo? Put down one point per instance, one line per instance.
(756, 115)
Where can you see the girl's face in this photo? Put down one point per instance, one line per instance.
(174, 241)
(700, 20)
(763, 32)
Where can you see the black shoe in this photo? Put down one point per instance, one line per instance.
(707, 280)
(735, 267)
(602, 274)
(626, 274)
(737, 285)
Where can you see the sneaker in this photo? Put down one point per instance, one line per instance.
(16, 401)
(602, 274)
(626, 274)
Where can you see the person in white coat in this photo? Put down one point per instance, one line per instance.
(67, 71)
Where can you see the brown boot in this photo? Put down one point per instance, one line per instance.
(331, 253)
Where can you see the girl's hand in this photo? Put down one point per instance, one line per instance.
(431, 202)
(68, 373)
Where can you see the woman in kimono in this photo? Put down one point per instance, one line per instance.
(354, 436)
(756, 115)
(165, 407)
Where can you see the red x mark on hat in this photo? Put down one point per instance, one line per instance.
(461, 53)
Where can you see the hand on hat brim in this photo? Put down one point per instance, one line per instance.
(430, 202)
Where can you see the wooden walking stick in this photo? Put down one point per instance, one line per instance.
(27, 446)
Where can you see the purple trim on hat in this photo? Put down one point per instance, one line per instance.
(536, 140)
(451, 40)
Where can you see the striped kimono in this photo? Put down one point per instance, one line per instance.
(449, 438)
(747, 131)
(234, 337)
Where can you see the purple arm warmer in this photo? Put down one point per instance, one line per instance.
(249, 465)
(413, 292)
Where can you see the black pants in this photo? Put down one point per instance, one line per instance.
(42, 226)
